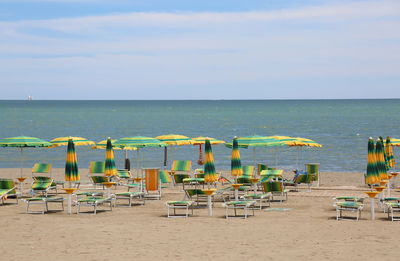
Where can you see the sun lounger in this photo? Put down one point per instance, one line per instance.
(248, 171)
(44, 201)
(42, 171)
(89, 193)
(393, 207)
(130, 196)
(347, 206)
(165, 179)
(262, 200)
(152, 183)
(41, 186)
(276, 188)
(185, 204)
(241, 204)
(7, 190)
(349, 198)
(92, 202)
(299, 179)
(261, 167)
(197, 195)
(313, 169)
(180, 170)
(124, 174)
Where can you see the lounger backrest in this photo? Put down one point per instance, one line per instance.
(39, 184)
(178, 178)
(313, 169)
(271, 172)
(244, 180)
(193, 192)
(273, 186)
(261, 167)
(7, 184)
(248, 171)
(164, 176)
(123, 173)
(96, 179)
(97, 167)
(41, 168)
(181, 165)
(152, 179)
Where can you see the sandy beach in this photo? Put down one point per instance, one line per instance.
(307, 231)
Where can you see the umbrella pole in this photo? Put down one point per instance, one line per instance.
(21, 162)
(255, 159)
(209, 204)
(276, 157)
(297, 158)
(165, 157)
(137, 164)
(372, 209)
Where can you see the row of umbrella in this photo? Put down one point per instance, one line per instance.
(379, 160)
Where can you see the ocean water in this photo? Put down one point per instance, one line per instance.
(341, 126)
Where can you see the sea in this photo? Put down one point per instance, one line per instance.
(341, 126)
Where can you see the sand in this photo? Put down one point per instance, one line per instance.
(308, 231)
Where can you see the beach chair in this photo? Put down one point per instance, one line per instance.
(299, 179)
(313, 169)
(262, 200)
(7, 190)
(184, 204)
(180, 170)
(349, 199)
(82, 194)
(347, 206)
(248, 171)
(96, 173)
(261, 167)
(152, 183)
(41, 186)
(165, 178)
(43, 200)
(92, 201)
(198, 196)
(123, 174)
(276, 188)
(245, 205)
(42, 171)
(130, 196)
(393, 207)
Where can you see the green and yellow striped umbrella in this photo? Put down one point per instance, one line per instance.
(305, 142)
(210, 175)
(71, 165)
(389, 153)
(23, 142)
(380, 160)
(372, 176)
(78, 141)
(236, 165)
(110, 169)
(384, 154)
(173, 140)
(103, 145)
(395, 142)
(202, 140)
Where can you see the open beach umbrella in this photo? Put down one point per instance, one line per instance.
(372, 175)
(103, 145)
(395, 142)
(380, 160)
(236, 166)
(202, 140)
(23, 142)
(78, 141)
(389, 153)
(139, 142)
(110, 169)
(210, 175)
(173, 140)
(303, 142)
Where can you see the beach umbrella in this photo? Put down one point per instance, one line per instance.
(372, 175)
(23, 142)
(139, 142)
(395, 142)
(110, 169)
(173, 140)
(103, 145)
(389, 153)
(384, 154)
(299, 142)
(200, 141)
(380, 160)
(236, 166)
(71, 170)
(210, 175)
(78, 141)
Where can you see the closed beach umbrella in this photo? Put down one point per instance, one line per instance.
(380, 160)
(384, 153)
(173, 140)
(372, 176)
(78, 141)
(23, 142)
(236, 166)
(110, 169)
(389, 153)
(202, 140)
(103, 145)
(139, 142)
(71, 165)
(210, 175)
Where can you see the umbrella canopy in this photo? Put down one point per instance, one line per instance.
(380, 160)
(210, 175)
(236, 166)
(305, 142)
(23, 142)
(103, 145)
(110, 169)
(395, 142)
(175, 140)
(389, 153)
(202, 140)
(372, 176)
(78, 141)
(71, 165)
(139, 142)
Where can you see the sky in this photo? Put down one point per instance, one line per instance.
(204, 49)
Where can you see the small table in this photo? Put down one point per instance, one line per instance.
(108, 185)
(21, 185)
(371, 195)
(69, 192)
(254, 181)
(139, 181)
(236, 187)
(209, 193)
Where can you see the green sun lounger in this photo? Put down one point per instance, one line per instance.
(262, 200)
(165, 179)
(348, 206)
(44, 201)
(184, 204)
(181, 170)
(276, 188)
(94, 202)
(123, 174)
(130, 196)
(41, 186)
(245, 205)
(198, 196)
(393, 207)
(7, 190)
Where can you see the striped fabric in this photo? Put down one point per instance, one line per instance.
(24, 141)
(181, 202)
(346, 204)
(78, 141)
(380, 160)
(103, 145)
(123, 174)
(236, 165)
(389, 153)
(99, 179)
(41, 185)
(139, 142)
(109, 169)
(261, 167)
(271, 172)
(181, 165)
(202, 140)
(313, 169)
(178, 178)
(152, 179)
(256, 141)
(384, 153)
(210, 175)
(306, 142)
(372, 175)
(7, 186)
(244, 180)
(92, 199)
(71, 165)
(41, 168)
(129, 194)
(97, 167)
(248, 171)
(175, 140)
(194, 192)
(275, 186)
(164, 176)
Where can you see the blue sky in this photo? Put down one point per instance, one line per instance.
(97, 49)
